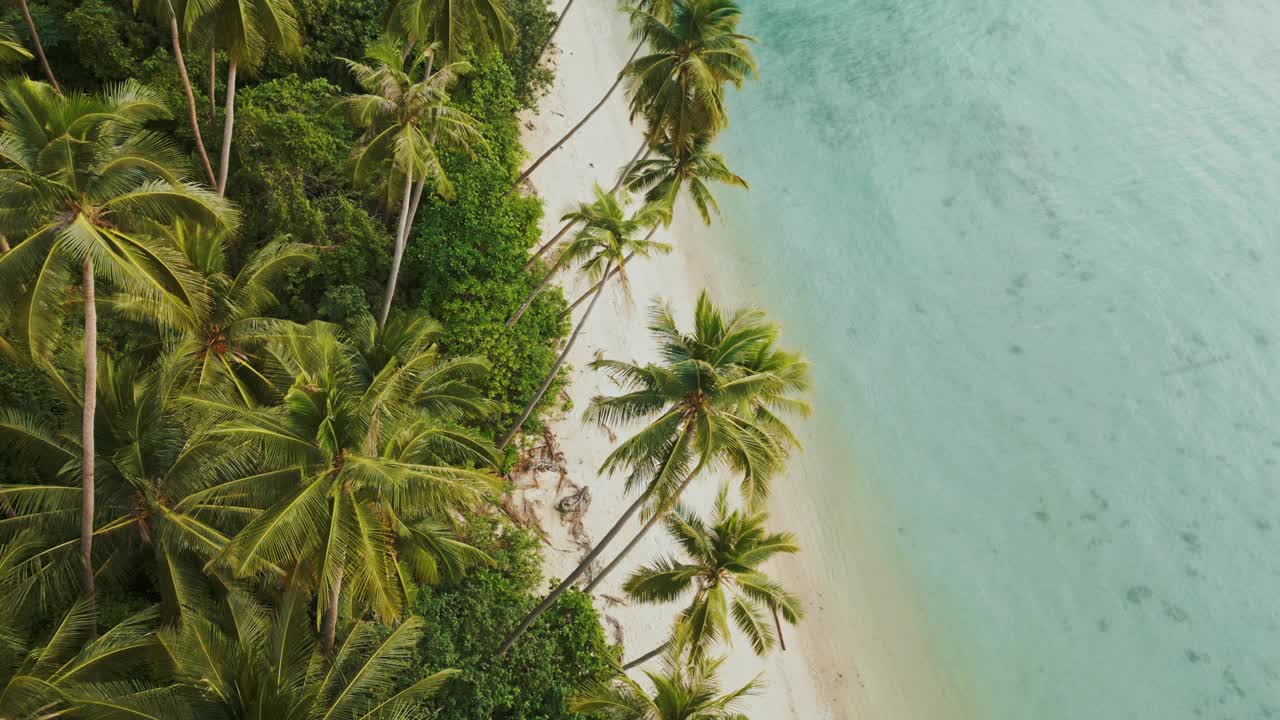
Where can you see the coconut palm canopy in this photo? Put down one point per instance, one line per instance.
(718, 397)
(360, 467)
(81, 179)
(262, 663)
(694, 51)
(720, 566)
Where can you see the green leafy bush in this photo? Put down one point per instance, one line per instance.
(465, 622)
(331, 29)
(290, 179)
(465, 258)
(109, 40)
(534, 20)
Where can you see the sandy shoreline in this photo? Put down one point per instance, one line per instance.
(815, 678)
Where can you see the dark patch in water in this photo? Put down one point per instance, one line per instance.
(1175, 613)
(1042, 516)
(1138, 593)
(1233, 686)
(1101, 501)
(1191, 540)
(1195, 658)
(1104, 626)
(1015, 349)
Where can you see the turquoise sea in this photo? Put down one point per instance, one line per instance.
(1033, 248)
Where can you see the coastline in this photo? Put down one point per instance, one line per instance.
(833, 667)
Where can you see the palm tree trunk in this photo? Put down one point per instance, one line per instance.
(213, 82)
(228, 125)
(607, 276)
(330, 630)
(86, 432)
(35, 40)
(647, 656)
(551, 376)
(401, 236)
(565, 584)
(537, 291)
(781, 641)
(176, 39)
(554, 29)
(549, 244)
(587, 293)
(4, 244)
(657, 516)
(596, 108)
(643, 151)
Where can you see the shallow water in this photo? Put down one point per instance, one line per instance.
(1034, 250)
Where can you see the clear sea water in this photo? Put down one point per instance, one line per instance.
(1033, 247)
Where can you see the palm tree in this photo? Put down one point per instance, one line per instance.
(686, 689)
(672, 169)
(679, 87)
(456, 25)
(164, 495)
(723, 558)
(85, 184)
(245, 29)
(403, 120)
(11, 49)
(35, 40)
(265, 664)
(168, 12)
(608, 236)
(220, 334)
(725, 388)
(362, 461)
(604, 212)
(74, 673)
(715, 396)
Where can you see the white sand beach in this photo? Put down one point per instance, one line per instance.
(826, 671)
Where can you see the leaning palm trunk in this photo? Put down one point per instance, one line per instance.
(587, 293)
(554, 29)
(653, 521)
(176, 39)
(622, 177)
(782, 642)
(608, 94)
(401, 237)
(647, 656)
(35, 40)
(551, 376)
(86, 432)
(573, 576)
(228, 125)
(533, 294)
(4, 244)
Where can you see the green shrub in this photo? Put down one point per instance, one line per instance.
(533, 681)
(110, 41)
(533, 20)
(465, 258)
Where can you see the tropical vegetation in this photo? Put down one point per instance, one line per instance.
(271, 350)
